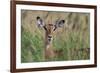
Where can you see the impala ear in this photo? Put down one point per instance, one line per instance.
(59, 24)
(40, 22)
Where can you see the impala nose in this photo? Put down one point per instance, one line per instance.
(49, 38)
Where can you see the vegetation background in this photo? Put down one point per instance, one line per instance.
(73, 38)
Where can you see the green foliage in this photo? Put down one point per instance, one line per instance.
(74, 48)
(31, 47)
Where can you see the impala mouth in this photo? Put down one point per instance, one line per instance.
(49, 39)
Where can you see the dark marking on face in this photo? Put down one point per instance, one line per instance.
(49, 38)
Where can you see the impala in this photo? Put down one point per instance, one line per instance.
(49, 29)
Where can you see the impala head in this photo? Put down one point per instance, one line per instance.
(49, 28)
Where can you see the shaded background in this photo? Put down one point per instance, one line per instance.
(73, 39)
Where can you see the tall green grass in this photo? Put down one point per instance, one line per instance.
(31, 47)
(73, 46)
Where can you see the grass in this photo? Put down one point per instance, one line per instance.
(31, 47)
(72, 46)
